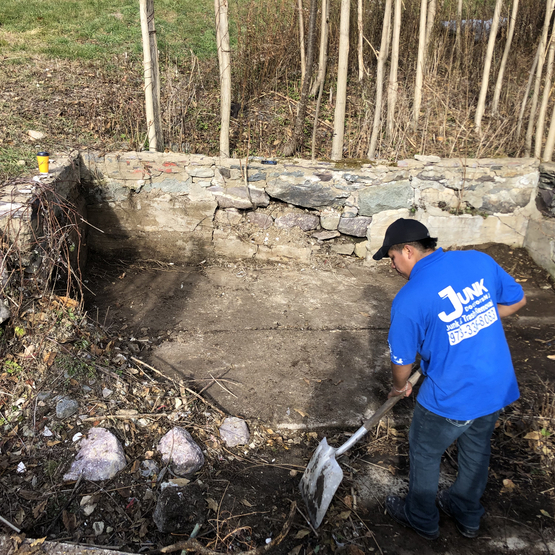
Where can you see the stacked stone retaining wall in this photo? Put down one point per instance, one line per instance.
(177, 205)
(188, 207)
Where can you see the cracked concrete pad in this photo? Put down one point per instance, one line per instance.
(297, 348)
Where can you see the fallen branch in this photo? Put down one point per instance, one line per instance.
(179, 383)
(194, 545)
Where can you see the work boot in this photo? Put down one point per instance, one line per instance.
(395, 507)
(445, 505)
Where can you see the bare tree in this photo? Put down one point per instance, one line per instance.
(481, 106)
(360, 28)
(323, 56)
(152, 76)
(458, 47)
(393, 85)
(301, 40)
(224, 58)
(430, 18)
(382, 57)
(537, 83)
(540, 128)
(293, 144)
(420, 62)
(342, 66)
(500, 75)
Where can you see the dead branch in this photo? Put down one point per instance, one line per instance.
(194, 545)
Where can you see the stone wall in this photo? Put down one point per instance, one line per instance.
(187, 207)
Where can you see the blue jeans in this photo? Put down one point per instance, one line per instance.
(430, 435)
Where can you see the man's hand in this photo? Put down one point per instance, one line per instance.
(401, 385)
(404, 391)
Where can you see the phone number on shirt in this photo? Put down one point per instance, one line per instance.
(470, 329)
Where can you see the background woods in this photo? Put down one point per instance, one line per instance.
(445, 77)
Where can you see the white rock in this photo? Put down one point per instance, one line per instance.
(234, 431)
(101, 457)
(178, 448)
(35, 135)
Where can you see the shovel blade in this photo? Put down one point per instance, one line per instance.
(320, 482)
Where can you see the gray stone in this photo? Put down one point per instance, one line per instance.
(100, 457)
(225, 172)
(258, 176)
(200, 171)
(361, 249)
(66, 407)
(427, 159)
(98, 528)
(260, 219)
(4, 312)
(329, 219)
(357, 227)
(258, 197)
(234, 431)
(308, 194)
(179, 509)
(149, 468)
(379, 198)
(305, 221)
(326, 235)
(343, 248)
(232, 197)
(349, 212)
(228, 217)
(178, 448)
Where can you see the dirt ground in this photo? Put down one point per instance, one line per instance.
(250, 489)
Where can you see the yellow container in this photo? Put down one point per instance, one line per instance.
(42, 159)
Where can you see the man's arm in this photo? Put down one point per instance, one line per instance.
(508, 309)
(401, 385)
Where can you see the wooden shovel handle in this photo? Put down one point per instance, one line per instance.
(388, 405)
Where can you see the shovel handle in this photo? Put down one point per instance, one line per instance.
(376, 417)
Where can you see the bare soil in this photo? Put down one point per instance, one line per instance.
(250, 489)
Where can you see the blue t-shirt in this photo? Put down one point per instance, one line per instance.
(447, 312)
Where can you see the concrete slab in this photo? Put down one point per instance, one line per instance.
(297, 346)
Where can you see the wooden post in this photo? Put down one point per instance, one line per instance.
(152, 76)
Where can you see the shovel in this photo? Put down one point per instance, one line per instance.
(323, 473)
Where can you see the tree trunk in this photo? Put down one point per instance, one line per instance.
(323, 57)
(537, 83)
(421, 60)
(293, 144)
(540, 128)
(480, 108)
(384, 51)
(499, 82)
(458, 46)
(224, 58)
(430, 20)
(342, 66)
(393, 85)
(301, 40)
(152, 77)
(360, 42)
(527, 93)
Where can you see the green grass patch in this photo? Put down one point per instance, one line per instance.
(100, 29)
(15, 161)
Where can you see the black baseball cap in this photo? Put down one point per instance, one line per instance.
(400, 231)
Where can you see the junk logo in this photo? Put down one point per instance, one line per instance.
(472, 311)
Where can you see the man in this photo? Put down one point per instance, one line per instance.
(449, 312)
